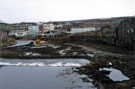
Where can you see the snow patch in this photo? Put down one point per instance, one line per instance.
(31, 54)
(64, 52)
(110, 63)
(90, 55)
(75, 53)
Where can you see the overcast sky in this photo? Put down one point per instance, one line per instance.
(12, 11)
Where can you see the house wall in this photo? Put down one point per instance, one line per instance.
(33, 30)
(17, 28)
(80, 30)
(48, 27)
(23, 29)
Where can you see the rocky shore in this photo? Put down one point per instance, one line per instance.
(110, 72)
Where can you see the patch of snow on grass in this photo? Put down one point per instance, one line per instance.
(90, 55)
(110, 63)
(74, 53)
(31, 54)
(64, 52)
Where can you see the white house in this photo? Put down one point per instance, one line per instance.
(48, 27)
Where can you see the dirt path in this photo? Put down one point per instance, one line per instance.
(96, 51)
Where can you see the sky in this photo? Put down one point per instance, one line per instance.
(14, 11)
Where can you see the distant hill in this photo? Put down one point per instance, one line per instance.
(95, 22)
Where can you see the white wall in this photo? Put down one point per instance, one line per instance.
(33, 30)
(48, 27)
(80, 30)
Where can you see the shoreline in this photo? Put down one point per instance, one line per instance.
(99, 60)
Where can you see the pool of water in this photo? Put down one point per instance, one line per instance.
(115, 74)
(21, 43)
(53, 74)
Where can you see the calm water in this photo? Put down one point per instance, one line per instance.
(42, 74)
(21, 43)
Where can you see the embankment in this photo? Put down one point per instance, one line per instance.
(9, 41)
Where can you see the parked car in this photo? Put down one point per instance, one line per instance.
(49, 33)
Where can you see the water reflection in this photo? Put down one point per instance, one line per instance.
(16, 77)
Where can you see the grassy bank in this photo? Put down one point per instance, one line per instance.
(9, 41)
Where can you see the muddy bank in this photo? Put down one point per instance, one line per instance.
(91, 42)
(9, 41)
(110, 72)
(31, 51)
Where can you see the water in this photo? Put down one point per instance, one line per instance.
(115, 74)
(21, 43)
(44, 62)
(42, 74)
